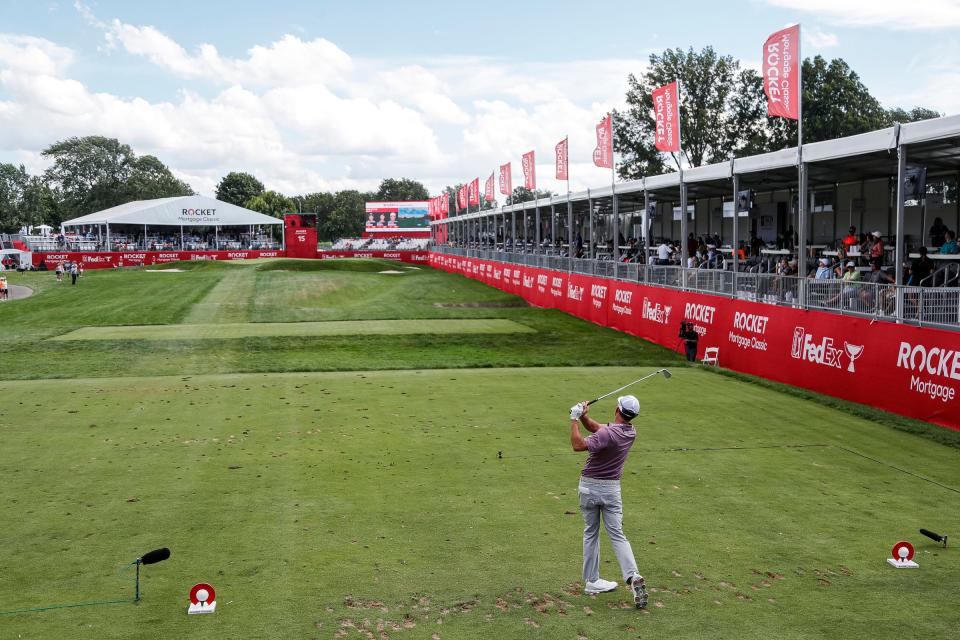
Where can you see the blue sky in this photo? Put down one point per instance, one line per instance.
(329, 95)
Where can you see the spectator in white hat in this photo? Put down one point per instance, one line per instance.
(876, 250)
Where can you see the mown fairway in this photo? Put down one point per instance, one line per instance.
(349, 485)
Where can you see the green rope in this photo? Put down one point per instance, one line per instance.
(65, 606)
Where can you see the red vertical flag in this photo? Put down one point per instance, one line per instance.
(666, 112)
(506, 180)
(563, 160)
(529, 171)
(603, 154)
(488, 190)
(444, 204)
(462, 197)
(781, 73)
(474, 191)
(431, 205)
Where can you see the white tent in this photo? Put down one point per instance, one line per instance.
(181, 211)
(178, 212)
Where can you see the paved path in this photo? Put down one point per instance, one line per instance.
(17, 291)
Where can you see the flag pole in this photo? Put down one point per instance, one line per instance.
(615, 254)
(684, 252)
(801, 180)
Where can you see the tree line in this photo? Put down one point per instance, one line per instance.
(722, 112)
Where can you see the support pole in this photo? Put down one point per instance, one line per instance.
(736, 226)
(590, 222)
(684, 226)
(571, 237)
(536, 219)
(899, 249)
(802, 235)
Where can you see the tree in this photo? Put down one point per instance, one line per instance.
(708, 83)
(238, 188)
(150, 178)
(271, 203)
(346, 217)
(89, 173)
(522, 194)
(913, 115)
(402, 190)
(13, 184)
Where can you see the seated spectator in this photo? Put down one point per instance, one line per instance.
(851, 278)
(876, 249)
(920, 270)
(938, 233)
(949, 245)
(824, 272)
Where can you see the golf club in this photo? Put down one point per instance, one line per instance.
(664, 372)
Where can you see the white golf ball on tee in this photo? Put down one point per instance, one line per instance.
(903, 552)
(202, 595)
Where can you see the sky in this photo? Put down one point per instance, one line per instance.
(323, 96)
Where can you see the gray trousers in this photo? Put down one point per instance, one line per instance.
(600, 499)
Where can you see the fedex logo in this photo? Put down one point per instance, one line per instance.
(574, 292)
(527, 282)
(805, 347)
(655, 312)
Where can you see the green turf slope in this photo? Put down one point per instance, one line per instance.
(320, 502)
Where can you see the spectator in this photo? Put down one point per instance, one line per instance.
(876, 250)
(950, 243)
(920, 270)
(59, 272)
(938, 233)
(850, 240)
(755, 244)
(663, 253)
(824, 272)
(74, 272)
(3, 287)
(691, 246)
(851, 278)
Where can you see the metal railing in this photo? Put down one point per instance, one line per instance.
(939, 306)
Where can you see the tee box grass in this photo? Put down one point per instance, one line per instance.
(420, 486)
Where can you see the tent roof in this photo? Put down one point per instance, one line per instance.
(188, 211)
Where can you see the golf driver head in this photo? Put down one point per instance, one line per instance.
(666, 373)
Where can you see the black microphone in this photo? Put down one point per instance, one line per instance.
(934, 536)
(154, 556)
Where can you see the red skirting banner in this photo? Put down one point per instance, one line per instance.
(912, 371)
(402, 256)
(111, 259)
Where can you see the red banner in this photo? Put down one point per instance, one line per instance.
(114, 259)
(402, 256)
(474, 192)
(462, 197)
(529, 171)
(666, 113)
(908, 370)
(488, 190)
(444, 205)
(603, 154)
(563, 159)
(781, 73)
(506, 180)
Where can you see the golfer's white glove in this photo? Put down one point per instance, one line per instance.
(576, 411)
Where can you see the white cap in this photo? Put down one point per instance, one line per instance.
(628, 406)
(850, 264)
(823, 261)
(876, 234)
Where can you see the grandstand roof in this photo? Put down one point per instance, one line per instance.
(187, 211)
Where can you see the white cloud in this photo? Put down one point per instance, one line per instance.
(819, 39)
(891, 14)
(306, 116)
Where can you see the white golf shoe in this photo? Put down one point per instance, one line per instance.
(599, 586)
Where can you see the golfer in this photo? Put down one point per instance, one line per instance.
(599, 492)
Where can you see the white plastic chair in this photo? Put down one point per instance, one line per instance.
(711, 355)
